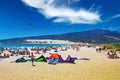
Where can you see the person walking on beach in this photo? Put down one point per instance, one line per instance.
(32, 58)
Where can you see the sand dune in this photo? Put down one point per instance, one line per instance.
(99, 67)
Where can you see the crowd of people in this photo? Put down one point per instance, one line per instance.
(112, 54)
(13, 51)
(3, 55)
(7, 52)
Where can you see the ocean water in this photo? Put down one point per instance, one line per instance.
(29, 45)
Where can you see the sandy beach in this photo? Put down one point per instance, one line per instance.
(99, 67)
(60, 40)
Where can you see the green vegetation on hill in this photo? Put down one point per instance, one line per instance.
(93, 36)
(112, 46)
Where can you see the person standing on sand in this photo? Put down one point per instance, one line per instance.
(32, 58)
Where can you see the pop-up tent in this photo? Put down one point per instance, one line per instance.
(41, 59)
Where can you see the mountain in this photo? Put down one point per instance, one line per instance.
(92, 36)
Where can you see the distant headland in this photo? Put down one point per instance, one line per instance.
(99, 36)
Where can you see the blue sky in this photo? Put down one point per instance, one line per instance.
(56, 16)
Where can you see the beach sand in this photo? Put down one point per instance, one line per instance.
(99, 67)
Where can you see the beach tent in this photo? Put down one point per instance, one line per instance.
(21, 60)
(41, 59)
(53, 58)
(70, 59)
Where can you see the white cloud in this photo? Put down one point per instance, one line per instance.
(63, 14)
(113, 17)
(72, 1)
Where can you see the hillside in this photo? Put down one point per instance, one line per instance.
(92, 36)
